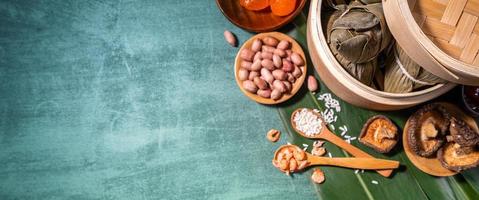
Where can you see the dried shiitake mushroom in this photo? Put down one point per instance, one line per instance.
(457, 158)
(379, 133)
(427, 129)
(462, 134)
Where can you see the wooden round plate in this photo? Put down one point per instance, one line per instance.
(432, 165)
(256, 21)
(295, 47)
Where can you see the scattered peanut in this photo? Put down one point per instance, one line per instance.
(278, 63)
(276, 94)
(260, 83)
(318, 151)
(247, 55)
(283, 45)
(266, 74)
(256, 66)
(296, 58)
(297, 72)
(287, 66)
(270, 41)
(312, 83)
(266, 55)
(279, 85)
(273, 135)
(264, 93)
(318, 176)
(268, 64)
(230, 38)
(257, 56)
(279, 75)
(253, 74)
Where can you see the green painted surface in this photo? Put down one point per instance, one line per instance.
(130, 100)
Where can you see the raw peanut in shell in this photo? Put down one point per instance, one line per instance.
(270, 41)
(276, 94)
(243, 74)
(257, 56)
(279, 85)
(230, 38)
(297, 72)
(266, 74)
(256, 66)
(281, 53)
(291, 78)
(268, 64)
(277, 61)
(264, 93)
(312, 83)
(246, 65)
(267, 49)
(253, 74)
(296, 58)
(247, 55)
(279, 75)
(283, 45)
(287, 66)
(288, 86)
(256, 46)
(266, 55)
(250, 86)
(260, 83)
(273, 135)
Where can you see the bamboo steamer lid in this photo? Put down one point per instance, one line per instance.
(440, 35)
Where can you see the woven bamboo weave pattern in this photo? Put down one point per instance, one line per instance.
(452, 25)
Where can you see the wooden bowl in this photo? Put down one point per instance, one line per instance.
(295, 47)
(440, 36)
(347, 87)
(432, 165)
(256, 21)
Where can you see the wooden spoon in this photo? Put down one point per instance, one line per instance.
(432, 165)
(326, 134)
(354, 163)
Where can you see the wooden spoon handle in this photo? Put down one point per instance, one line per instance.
(355, 163)
(327, 135)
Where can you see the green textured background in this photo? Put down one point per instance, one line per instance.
(129, 100)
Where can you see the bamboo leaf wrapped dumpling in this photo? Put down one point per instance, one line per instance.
(360, 32)
(403, 75)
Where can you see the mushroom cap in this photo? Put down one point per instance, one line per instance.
(462, 133)
(454, 158)
(428, 127)
(379, 133)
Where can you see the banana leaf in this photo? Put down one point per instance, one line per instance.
(408, 182)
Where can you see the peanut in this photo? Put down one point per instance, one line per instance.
(276, 94)
(288, 86)
(256, 46)
(280, 53)
(318, 176)
(268, 64)
(264, 93)
(297, 59)
(312, 84)
(283, 45)
(270, 41)
(273, 135)
(230, 38)
(287, 66)
(293, 165)
(266, 55)
(247, 55)
(243, 74)
(246, 65)
(250, 86)
(278, 85)
(266, 74)
(260, 83)
(279, 75)
(277, 61)
(283, 164)
(257, 56)
(267, 49)
(256, 66)
(297, 72)
(252, 75)
(299, 155)
(291, 78)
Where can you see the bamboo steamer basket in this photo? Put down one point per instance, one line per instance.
(347, 87)
(440, 35)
